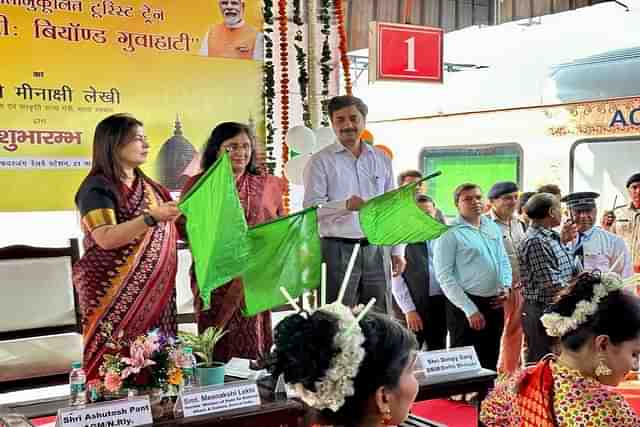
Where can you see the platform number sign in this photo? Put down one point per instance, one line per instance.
(405, 52)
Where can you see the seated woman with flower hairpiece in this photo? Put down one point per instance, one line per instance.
(598, 325)
(354, 373)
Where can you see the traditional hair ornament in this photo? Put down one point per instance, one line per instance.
(558, 326)
(337, 383)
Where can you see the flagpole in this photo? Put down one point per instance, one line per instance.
(347, 274)
(361, 315)
(615, 264)
(323, 284)
(293, 303)
(430, 176)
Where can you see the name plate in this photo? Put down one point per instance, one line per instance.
(452, 361)
(118, 413)
(241, 368)
(219, 398)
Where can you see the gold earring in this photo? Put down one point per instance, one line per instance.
(602, 370)
(386, 417)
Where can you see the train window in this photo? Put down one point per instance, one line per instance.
(604, 165)
(483, 165)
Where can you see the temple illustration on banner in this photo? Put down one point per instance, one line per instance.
(178, 159)
(175, 157)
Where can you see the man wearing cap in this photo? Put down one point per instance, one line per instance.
(503, 197)
(625, 221)
(595, 248)
(417, 290)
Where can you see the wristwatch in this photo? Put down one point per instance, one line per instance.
(149, 219)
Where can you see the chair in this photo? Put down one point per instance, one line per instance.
(40, 329)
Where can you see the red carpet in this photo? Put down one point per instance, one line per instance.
(452, 414)
(44, 420)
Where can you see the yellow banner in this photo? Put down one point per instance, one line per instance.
(180, 67)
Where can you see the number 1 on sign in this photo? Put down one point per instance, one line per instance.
(411, 54)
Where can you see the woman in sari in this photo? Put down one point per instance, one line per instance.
(598, 325)
(261, 199)
(125, 279)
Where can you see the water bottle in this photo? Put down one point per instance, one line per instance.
(77, 384)
(188, 368)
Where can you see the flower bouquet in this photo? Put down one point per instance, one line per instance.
(150, 364)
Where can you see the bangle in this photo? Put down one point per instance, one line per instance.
(149, 220)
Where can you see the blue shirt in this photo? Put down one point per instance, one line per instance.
(470, 260)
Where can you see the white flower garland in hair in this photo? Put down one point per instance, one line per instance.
(558, 326)
(337, 383)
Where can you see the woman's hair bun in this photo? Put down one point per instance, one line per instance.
(304, 347)
(580, 290)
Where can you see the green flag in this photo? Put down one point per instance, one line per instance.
(284, 253)
(394, 217)
(216, 227)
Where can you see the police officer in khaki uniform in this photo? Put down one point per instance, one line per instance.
(625, 221)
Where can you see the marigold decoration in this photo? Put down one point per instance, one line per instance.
(284, 93)
(325, 59)
(344, 57)
(269, 83)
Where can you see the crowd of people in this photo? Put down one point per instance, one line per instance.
(505, 263)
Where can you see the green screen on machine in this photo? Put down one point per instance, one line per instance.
(484, 167)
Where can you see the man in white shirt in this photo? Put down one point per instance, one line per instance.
(341, 177)
(595, 248)
(417, 291)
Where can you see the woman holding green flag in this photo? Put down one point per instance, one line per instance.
(261, 199)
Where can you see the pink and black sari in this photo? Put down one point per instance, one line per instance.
(247, 337)
(123, 292)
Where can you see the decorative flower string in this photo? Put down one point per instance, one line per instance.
(301, 60)
(284, 93)
(313, 70)
(344, 57)
(269, 90)
(557, 325)
(325, 59)
(336, 385)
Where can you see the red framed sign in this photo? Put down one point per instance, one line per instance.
(405, 52)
